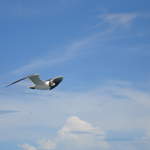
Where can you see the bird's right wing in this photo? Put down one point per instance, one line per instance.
(36, 79)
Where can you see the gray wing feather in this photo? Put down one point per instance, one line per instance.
(34, 78)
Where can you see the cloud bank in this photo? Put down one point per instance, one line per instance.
(75, 134)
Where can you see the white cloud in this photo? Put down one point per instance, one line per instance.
(119, 18)
(71, 50)
(27, 147)
(134, 95)
(115, 106)
(74, 124)
(75, 133)
(47, 144)
(82, 134)
(43, 105)
(67, 52)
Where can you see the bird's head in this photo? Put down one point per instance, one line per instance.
(54, 82)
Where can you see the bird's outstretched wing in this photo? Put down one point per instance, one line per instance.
(34, 78)
(17, 81)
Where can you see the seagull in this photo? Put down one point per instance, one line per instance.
(41, 84)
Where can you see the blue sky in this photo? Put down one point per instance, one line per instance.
(102, 50)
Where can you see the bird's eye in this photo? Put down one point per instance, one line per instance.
(51, 83)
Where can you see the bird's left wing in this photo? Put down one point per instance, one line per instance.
(34, 78)
(17, 81)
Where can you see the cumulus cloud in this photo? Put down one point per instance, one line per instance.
(74, 133)
(74, 124)
(82, 133)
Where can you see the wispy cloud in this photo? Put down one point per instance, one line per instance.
(73, 49)
(27, 147)
(2, 112)
(47, 144)
(67, 53)
(119, 19)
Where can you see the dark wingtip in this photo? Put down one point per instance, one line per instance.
(16, 81)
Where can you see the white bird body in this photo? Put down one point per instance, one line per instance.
(40, 84)
(44, 86)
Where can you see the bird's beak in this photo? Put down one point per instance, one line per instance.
(59, 79)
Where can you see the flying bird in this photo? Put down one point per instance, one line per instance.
(41, 84)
